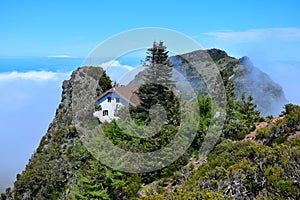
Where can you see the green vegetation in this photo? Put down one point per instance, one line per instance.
(62, 167)
(157, 87)
(282, 128)
(105, 83)
(242, 116)
(244, 170)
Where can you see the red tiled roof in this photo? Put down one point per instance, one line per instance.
(126, 92)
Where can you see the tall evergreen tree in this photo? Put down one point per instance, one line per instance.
(105, 82)
(158, 67)
(242, 115)
(157, 87)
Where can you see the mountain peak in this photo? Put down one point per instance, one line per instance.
(214, 51)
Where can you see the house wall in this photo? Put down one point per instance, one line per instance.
(111, 107)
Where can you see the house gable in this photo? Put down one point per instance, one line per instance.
(113, 99)
(126, 92)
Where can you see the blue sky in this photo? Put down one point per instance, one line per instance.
(39, 28)
(33, 33)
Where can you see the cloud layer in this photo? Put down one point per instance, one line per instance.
(288, 34)
(61, 56)
(115, 63)
(32, 75)
(27, 105)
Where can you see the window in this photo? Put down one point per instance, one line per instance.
(117, 99)
(105, 112)
(109, 99)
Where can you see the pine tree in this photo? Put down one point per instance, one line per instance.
(242, 115)
(157, 87)
(248, 111)
(158, 67)
(104, 83)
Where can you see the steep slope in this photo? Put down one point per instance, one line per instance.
(263, 166)
(268, 95)
(239, 170)
(50, 170)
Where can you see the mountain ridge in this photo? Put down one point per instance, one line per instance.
(268, 95)
(61, 168)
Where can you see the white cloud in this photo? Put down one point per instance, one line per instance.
(61, 56)
(263, 44)
(32, 75)
(115, 63)
(26, 109)
(256, 34)
(251, 34)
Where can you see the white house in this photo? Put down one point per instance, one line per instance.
(113, 99)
